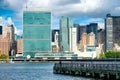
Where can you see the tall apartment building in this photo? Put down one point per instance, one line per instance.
(55, 45)
(36, 31)
(112, 31)
(91, 39)
(56, 39)
(73, 39)
(80, 30)
(65, 24)
(5, 44)
(10, 29)
(53, 34)
(101, 38)
(20, 45)
(92, 27)
(86, 41)
(83, 42)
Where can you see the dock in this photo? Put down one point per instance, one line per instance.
(100, 69)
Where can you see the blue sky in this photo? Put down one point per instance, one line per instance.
(81, 11)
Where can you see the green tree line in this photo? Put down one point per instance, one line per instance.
(110, 54)
(3, 57)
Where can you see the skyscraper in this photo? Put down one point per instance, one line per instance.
(10, 29)
(80, 30)
(53, 34)
(5, 44)
(56, 39)
(65, 24)
(36, 31)
(83, 42)
(92, 27)
(55, 45)
(91, 39)
(112, 31)
(19, 45)
(84, 39)
(101, 38)
(73, 39)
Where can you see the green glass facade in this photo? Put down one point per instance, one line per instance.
(65, 24)
(36, 32)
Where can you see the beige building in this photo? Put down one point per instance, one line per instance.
(5, 44)
(86, 40)
(19, 45)
(83, 42)
(91, 39)
(9, 29)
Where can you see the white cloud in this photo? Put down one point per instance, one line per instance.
(4, 22)
(38, 3)
(91, 20)
(94, 9)
(18, 31)
(117, 8)
(15, 5)
(84, 6)
(100, 22)
(101, 25)
(9, 21)
(91, 8)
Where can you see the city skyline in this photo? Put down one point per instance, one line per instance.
(81, 11)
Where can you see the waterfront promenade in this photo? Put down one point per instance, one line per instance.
(104, 69)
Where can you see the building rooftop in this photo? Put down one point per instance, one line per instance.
(109, 15)
(37, 9)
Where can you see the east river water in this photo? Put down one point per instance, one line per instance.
(33, 71)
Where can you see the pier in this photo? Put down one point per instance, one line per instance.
(103, 69)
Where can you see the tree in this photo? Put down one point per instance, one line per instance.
(101, 55)
(117, 54)
(3, 56)
(110, 54)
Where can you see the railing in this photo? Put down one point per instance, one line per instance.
(99, 69)
(91, 66)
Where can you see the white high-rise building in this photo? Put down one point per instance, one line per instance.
(73, 39)
(56, 40)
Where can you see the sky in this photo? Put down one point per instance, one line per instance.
(81, 11)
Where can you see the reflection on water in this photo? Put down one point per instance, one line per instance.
(32, 71)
